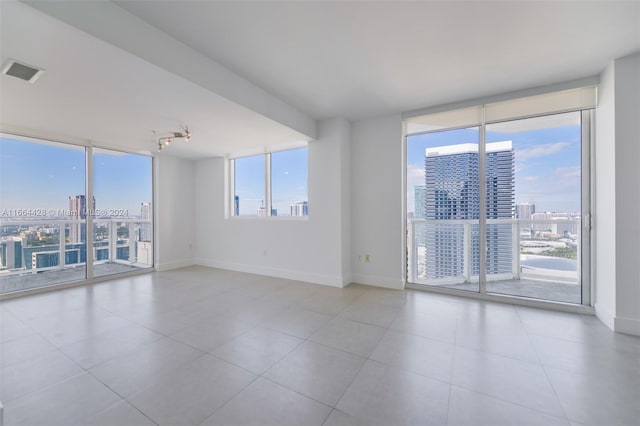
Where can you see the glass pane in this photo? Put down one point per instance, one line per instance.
(533, 207)
(289, 183)
(443, 205)
(42, 240)
(249, 186)
(123, 221)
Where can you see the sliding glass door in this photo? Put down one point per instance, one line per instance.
(498, 207)
(534, 249)
(444, 203)
(122, 224)
(42, 232)
(57, 226)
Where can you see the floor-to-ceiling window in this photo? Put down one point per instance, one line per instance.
(122, 224)
(58, 226)
(499, 207)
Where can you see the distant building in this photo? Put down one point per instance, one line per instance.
(452, 182)
(144, 253)
(525, 210)
(300, 209)
(420, 197)
(77, 213)
(262, 211)
(146, 231)
(11, 253)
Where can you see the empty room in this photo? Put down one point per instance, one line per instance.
(319, 213)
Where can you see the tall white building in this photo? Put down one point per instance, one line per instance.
(146, 232)
(77, 214)
(525, 210)
(300, 209)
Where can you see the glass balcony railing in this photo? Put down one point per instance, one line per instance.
(38, 253)
(530, 258)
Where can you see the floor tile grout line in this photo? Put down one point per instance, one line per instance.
(453, 357)
(546, 413)
(296, 303)
(231, 398)
(122, 399)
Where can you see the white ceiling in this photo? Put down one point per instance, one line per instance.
(363, 59)
(326, 59)
(95, 92)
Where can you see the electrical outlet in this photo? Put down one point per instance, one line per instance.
(264, 252)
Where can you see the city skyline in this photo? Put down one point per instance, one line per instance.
(53, 172)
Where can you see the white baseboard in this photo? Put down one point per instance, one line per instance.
(174, 264)
(378, 281)
(605, 316)
(616, 323)
(289, 274)
(627, 325)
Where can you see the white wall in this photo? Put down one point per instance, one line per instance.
(174, 212)
(376, 201)
(617, 229)
(604, 217)
(627, 97)
(311, 249)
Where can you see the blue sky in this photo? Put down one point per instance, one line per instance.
(43, 176)
(547, 159)
(288, 181)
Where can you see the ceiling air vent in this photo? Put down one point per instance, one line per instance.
(22, 71)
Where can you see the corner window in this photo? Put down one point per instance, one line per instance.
(269, 185)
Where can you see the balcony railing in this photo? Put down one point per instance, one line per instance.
(30, 250)
(446, 252)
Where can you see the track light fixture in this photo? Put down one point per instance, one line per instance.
(166, 140)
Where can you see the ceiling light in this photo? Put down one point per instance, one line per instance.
(166, 140)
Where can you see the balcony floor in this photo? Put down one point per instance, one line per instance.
(46, 278)
(545, 290)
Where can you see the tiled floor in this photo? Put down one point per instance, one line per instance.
(204, 346)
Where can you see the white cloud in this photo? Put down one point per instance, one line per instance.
(571, 172)
(568, 177)
(540, 150)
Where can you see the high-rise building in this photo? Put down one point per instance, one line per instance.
(452, 193)
(262, 211)
(77, 213)
(300, 209)
(525, 210)
(146, 232)
(420, 203)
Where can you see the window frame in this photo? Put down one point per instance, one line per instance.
(88, 150)
(230, 211)
(586, 108)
